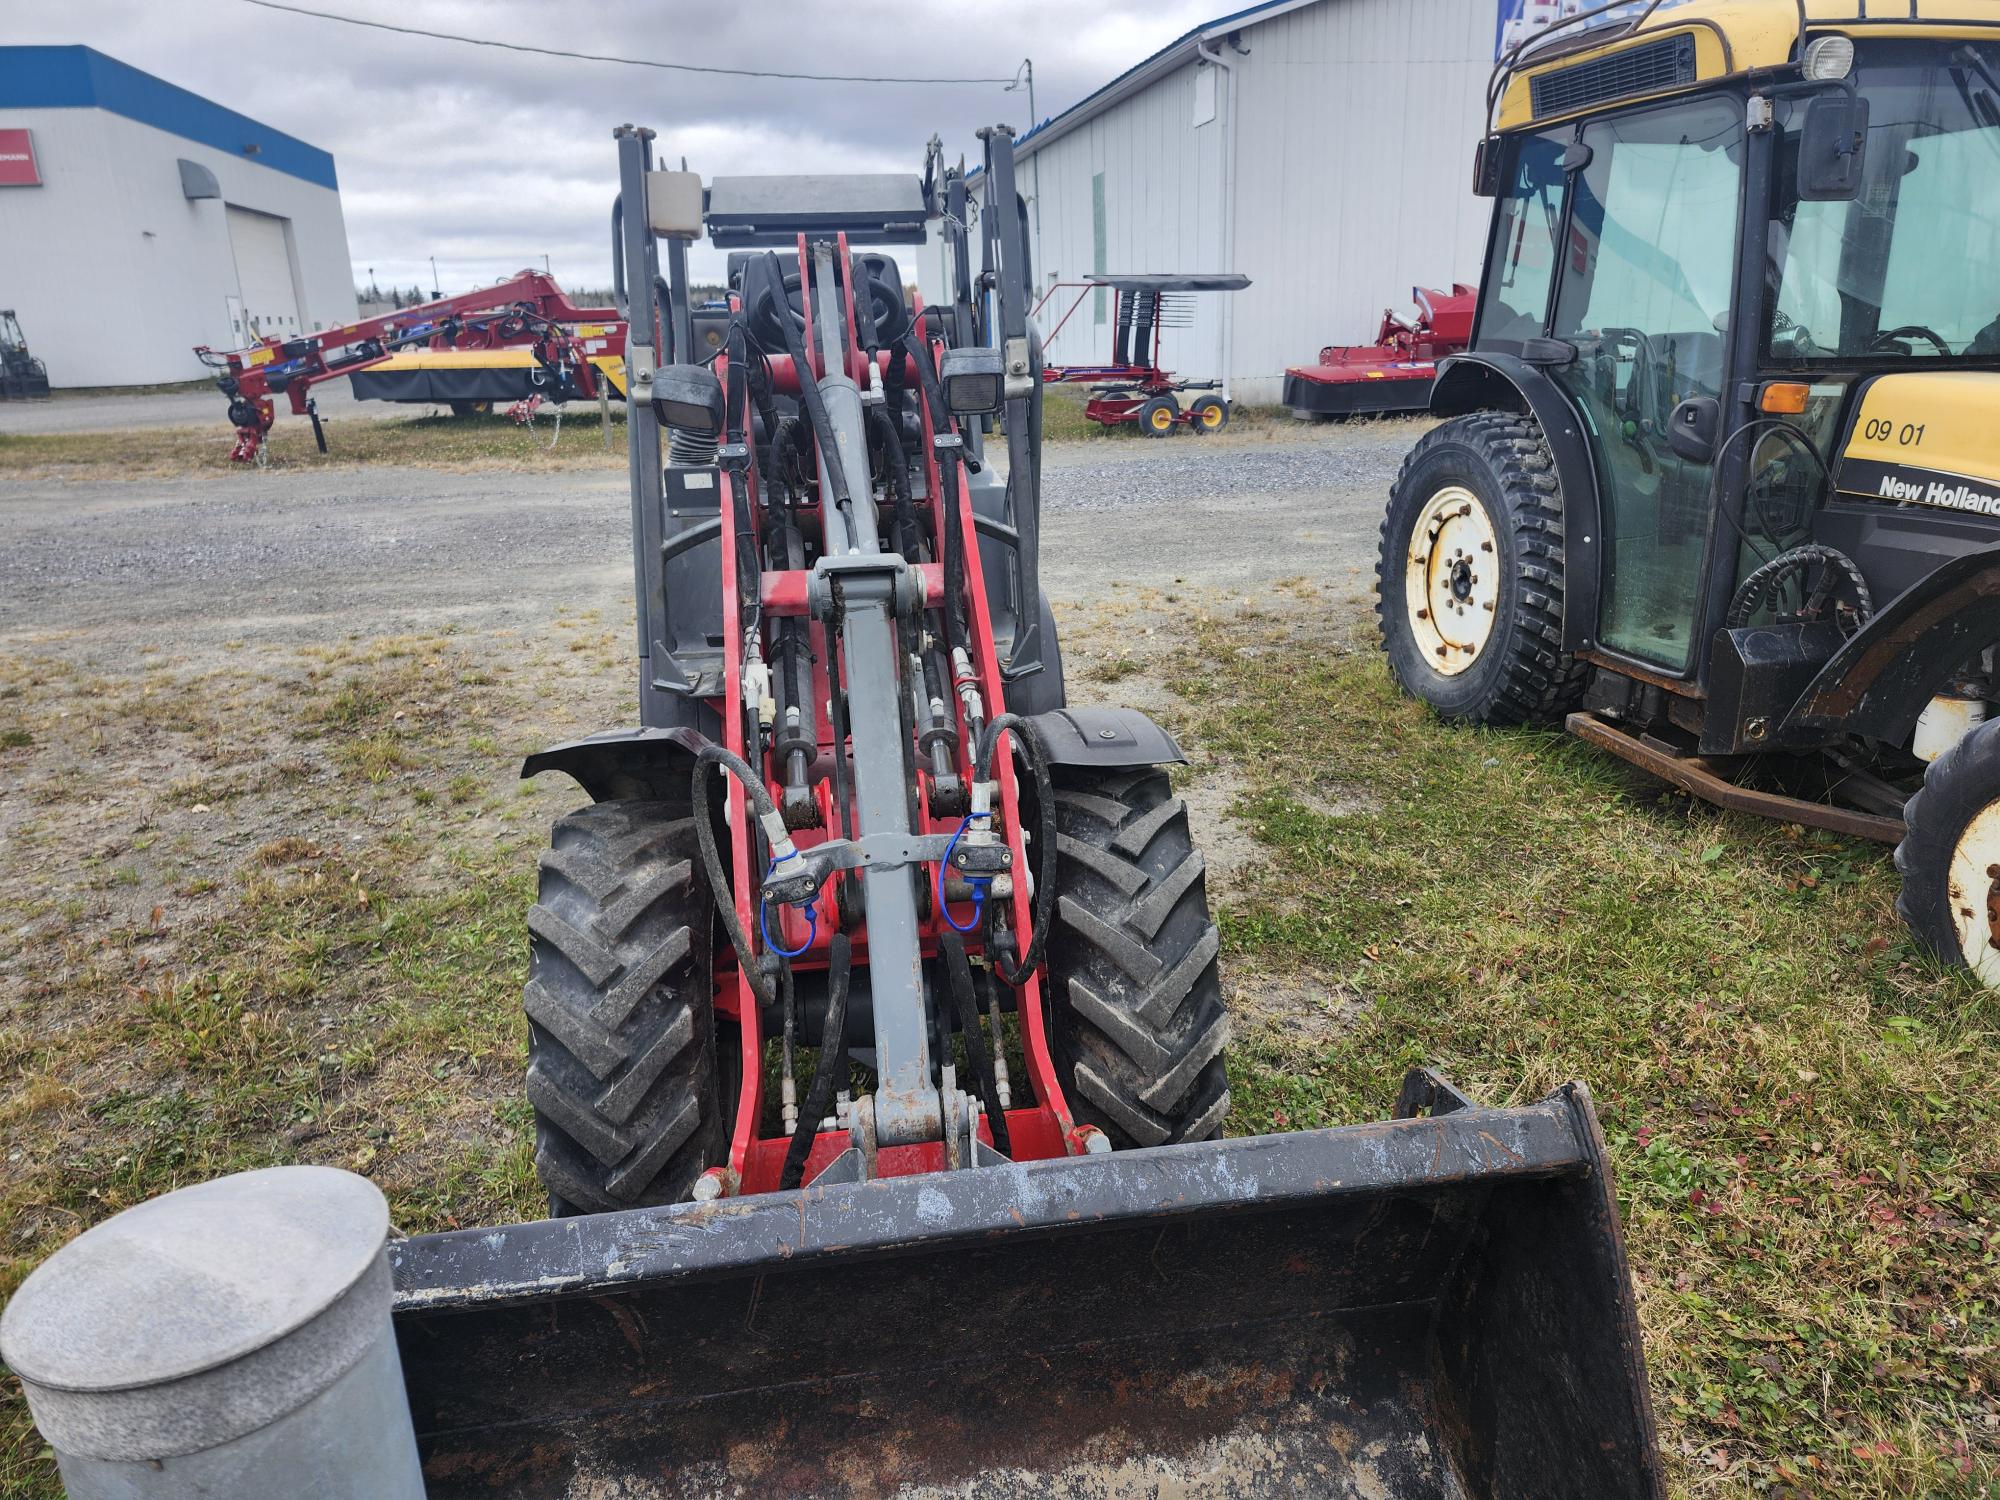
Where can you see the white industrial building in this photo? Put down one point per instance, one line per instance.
(138, 220)
(1323, 148)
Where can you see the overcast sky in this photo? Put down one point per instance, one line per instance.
(490, 159)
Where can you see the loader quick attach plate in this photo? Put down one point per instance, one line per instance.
(1427, 1307)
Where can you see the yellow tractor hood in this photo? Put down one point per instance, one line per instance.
(1926, 438)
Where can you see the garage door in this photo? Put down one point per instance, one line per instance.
(264, 272)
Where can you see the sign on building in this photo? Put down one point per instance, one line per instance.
(17, 160)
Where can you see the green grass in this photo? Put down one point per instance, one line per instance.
(1803, 1115)
(486, 441)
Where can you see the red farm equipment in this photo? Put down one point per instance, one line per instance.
(997, 1246)
(1134, 387)
(1397, 371)
(521, 339)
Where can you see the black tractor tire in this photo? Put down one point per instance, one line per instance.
(1159, 416)
(1520, 674)
(470, 408)
(621, 1024)
(1209, 414)
(1954, 820)
(1134, 991)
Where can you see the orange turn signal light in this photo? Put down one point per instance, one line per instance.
(1784, 397)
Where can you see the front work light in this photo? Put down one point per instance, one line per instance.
(688, 398)
(972, 380)
(1829, 58)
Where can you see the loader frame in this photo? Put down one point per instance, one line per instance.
(699, 644)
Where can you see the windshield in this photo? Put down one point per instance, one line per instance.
(1910, 269)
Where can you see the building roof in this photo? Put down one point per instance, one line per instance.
(1181, 50)
(84, 78)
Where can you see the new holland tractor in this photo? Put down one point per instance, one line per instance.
(1720, 481)
(990, 1241)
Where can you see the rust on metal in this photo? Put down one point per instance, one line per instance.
(1680, 687)
(1699, 778)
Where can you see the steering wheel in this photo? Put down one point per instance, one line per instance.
(1910, 331)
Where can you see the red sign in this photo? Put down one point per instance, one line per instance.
(17, 160)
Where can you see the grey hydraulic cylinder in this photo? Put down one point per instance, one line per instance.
(230, 1340)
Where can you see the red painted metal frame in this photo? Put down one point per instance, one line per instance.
(1043, 1128)
(294, 365)
(1113, 408)
(1402, 350)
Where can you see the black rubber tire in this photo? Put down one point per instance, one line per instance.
(1149, 421)
(1521, 676)
(1200, 427)
(1958, 786)
(1136, 997)
(470, 408)
(621, 1025)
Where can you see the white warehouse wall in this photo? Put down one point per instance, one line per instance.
(1347, 166)
(1356, 123)
(117, 276)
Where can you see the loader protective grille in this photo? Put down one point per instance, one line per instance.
(1664, 64)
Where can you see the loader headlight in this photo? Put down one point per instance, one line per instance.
(1829, 58)
(688, 398)
(972, 380)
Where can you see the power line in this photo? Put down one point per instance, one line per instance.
(629, 62)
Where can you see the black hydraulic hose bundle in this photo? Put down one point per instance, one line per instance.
(761, 984)
(958, 981)
(830, 1067)
(954, 538)
(1030, 745)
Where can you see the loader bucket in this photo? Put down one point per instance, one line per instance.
(1433, 1306)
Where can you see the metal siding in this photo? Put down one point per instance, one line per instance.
(1354, 125)
(1161, 213)
(144, 274)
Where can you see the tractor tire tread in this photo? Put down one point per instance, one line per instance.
(621, 1067)
(1140, 1022)
(1957, 786)
(1537, 682)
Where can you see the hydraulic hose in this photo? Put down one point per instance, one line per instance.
(711, 857)
(827, 1069)
(1029, 741)
(958, 980)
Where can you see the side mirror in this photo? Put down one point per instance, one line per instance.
(1833, 148)
(1486, 158)
(1692, 429)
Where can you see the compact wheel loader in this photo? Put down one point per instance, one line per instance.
(990, 1240)
(1719, 486)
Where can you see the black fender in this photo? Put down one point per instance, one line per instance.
(1108, 739)
(1879, 681)
(653, 765)
(1488, 382)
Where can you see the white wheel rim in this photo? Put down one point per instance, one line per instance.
(1451, 589)
(1974, 892)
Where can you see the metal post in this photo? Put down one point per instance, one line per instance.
(230, 1340)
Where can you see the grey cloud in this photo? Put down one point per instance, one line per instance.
(491, 159)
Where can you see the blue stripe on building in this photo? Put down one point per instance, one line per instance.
(84, 78)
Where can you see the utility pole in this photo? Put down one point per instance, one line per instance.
(435, 293)
(1026, 74)
(546, 271)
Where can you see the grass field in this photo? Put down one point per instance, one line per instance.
(273, 913)
(437, 440)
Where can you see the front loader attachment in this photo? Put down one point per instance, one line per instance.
(1433, 1306)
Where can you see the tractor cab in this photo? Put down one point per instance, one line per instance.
(1720, 484)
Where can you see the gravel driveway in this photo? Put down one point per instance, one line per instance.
(112, 566)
